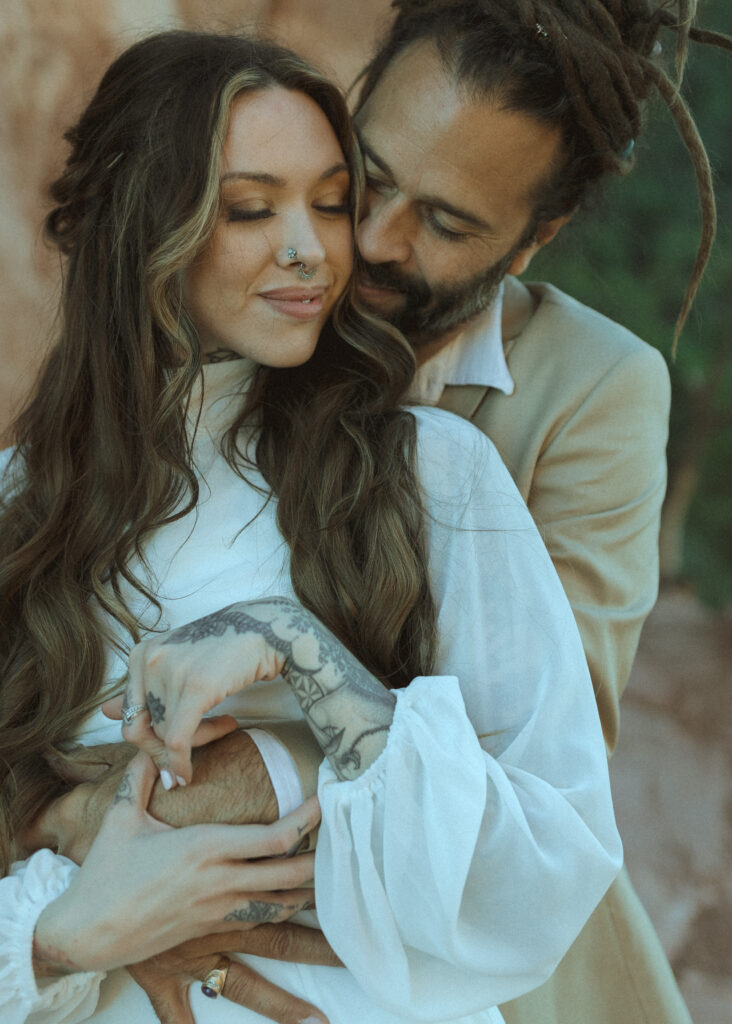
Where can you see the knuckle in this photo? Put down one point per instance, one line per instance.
(293, 873)
(282, 943)
(240, 982)
(176, 743)
(283, 840)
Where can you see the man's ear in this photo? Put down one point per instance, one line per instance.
(545, 232)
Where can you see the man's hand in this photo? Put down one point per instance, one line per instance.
(165, 978)
(231, 786)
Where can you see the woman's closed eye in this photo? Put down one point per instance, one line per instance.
(236, 213)
(333, 206)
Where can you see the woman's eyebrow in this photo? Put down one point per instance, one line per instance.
(264, 178)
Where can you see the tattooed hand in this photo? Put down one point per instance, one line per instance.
(182, 674)
(145, 886)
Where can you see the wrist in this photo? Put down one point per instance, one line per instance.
(54, 933)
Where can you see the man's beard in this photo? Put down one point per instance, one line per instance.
(430, 312)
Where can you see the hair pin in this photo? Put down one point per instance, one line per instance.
(541, 31)
(115, 160)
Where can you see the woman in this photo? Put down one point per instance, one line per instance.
(206, 210)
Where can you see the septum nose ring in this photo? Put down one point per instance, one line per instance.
(303, 272)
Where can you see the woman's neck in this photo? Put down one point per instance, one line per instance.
(220, 355)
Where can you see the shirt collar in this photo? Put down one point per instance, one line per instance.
(475, 356)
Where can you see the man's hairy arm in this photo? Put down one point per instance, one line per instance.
(231, 786)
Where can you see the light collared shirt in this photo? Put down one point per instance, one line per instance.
(475, 356)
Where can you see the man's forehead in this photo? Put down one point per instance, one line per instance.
(416, 83)
(437, 137)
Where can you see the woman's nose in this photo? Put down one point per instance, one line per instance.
(302, 243)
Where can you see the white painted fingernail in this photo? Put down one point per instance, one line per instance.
(166, 778)
(181, 780)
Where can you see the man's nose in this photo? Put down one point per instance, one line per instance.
(383, 236)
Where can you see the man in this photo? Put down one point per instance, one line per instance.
(482, 129)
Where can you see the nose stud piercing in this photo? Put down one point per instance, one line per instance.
(303, 272)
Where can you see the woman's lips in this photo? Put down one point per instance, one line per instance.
(298, 303)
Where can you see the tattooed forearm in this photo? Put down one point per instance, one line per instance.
(348, 709)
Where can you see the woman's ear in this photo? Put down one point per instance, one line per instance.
(545, 232)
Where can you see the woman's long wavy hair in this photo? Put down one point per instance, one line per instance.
(103, 457)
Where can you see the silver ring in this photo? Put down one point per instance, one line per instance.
(292, 254)
(306, 274)
(132, 712)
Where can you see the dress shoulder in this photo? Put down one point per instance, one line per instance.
(461, 471)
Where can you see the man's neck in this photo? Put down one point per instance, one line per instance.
(519, 306)
(425, 350)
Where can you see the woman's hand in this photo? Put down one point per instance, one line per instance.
(70, 822)
(166, 977)
(175, 678)
(144, 886)
(180, 675)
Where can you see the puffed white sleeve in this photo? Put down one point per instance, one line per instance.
(24, 894)
(455, 872)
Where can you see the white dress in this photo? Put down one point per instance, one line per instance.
(457, 870)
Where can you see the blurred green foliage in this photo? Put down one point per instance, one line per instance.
(630, 257)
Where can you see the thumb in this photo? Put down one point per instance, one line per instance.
(89, 763)
(137, 783)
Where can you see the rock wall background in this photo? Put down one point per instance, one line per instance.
(52, 54)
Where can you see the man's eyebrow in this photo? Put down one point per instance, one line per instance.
(368, 152)
(270, 179)
(435, 201)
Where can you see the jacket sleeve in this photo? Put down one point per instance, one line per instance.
(457, 870)
(596, 497)
(24, 894)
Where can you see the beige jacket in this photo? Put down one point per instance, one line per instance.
(584, 437)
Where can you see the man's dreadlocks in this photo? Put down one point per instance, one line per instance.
(585, 66)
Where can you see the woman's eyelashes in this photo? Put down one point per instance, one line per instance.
(330, 207)
(237, 214)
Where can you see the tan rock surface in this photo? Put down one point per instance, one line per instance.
(672, 783)
(53, 54)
